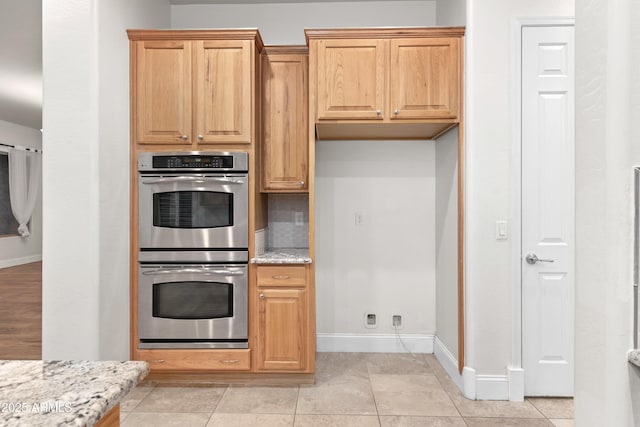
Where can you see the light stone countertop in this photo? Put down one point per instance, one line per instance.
(283, 256)
(63, 393)
(634, 357)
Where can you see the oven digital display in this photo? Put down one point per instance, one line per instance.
(193, 162)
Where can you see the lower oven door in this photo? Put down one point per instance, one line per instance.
(192, 306)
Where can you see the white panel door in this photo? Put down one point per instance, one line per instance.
(548, 210)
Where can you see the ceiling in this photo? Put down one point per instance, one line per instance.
(21, 56)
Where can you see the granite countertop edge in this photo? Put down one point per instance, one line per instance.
(634, 357)
(73, 393)
(283, 256)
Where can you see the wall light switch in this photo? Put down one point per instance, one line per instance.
(358, 219)
(502, 232)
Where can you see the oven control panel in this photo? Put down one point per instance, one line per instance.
(222, 161)
(190, 162)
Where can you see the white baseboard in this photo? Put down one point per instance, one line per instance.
(479, 387)
(374, 343)
(516, 384)
(492, 387)
(466, 381)
(19, 261)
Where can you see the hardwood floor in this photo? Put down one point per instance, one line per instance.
(21, 312)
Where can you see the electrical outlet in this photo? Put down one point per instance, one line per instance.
(370, 320)
(396, 321)
(357, 218)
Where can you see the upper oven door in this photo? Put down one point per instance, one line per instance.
(193, 211)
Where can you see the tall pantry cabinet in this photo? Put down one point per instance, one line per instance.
(194, 90)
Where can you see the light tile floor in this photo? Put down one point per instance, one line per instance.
(351, 390)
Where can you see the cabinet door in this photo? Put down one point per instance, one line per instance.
(223, 85)
(284, 122)
(424, 78)
(163, 92)
(282, 331)
(351, 79)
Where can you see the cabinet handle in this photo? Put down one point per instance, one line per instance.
(200, 137)
(280, 277)
(261, 296)
(230, 361)
(378, 112)
(184, 137)
(396, 111)
(157, 361)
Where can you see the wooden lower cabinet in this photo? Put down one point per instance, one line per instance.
(283, 318)
(196, 360)
(111, 418)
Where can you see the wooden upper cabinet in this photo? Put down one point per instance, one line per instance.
(163, 91)
(193, 87)
(424, 78)
(385, 83)
(223, 90)
(285, 154)
(351, 79)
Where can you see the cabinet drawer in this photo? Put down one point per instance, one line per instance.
(282, 276)
(197, 360)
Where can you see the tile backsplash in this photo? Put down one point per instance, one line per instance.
(288, 221)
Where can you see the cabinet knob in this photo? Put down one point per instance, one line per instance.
(396, 111)
(261, 296)
(378, 112)
(184, 137)
(200, 137)
(301, 182)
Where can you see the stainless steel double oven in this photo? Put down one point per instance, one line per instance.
(193, 258)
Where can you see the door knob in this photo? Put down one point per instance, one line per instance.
(533, 258)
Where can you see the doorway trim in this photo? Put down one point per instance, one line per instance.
(515, 369)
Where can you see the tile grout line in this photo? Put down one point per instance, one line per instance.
(445, 390)
(295, 410)
(375, 402)
(217, 404)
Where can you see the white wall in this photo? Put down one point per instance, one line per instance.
(86, 199)
(451, 13)
(489, 188)
(446, 227)
(17, 250)
(607, 388)
(284, 23)
(385, 265)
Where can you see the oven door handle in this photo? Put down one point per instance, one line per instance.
(170, 179)
(217, 272)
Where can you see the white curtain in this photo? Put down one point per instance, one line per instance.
(24, 179)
